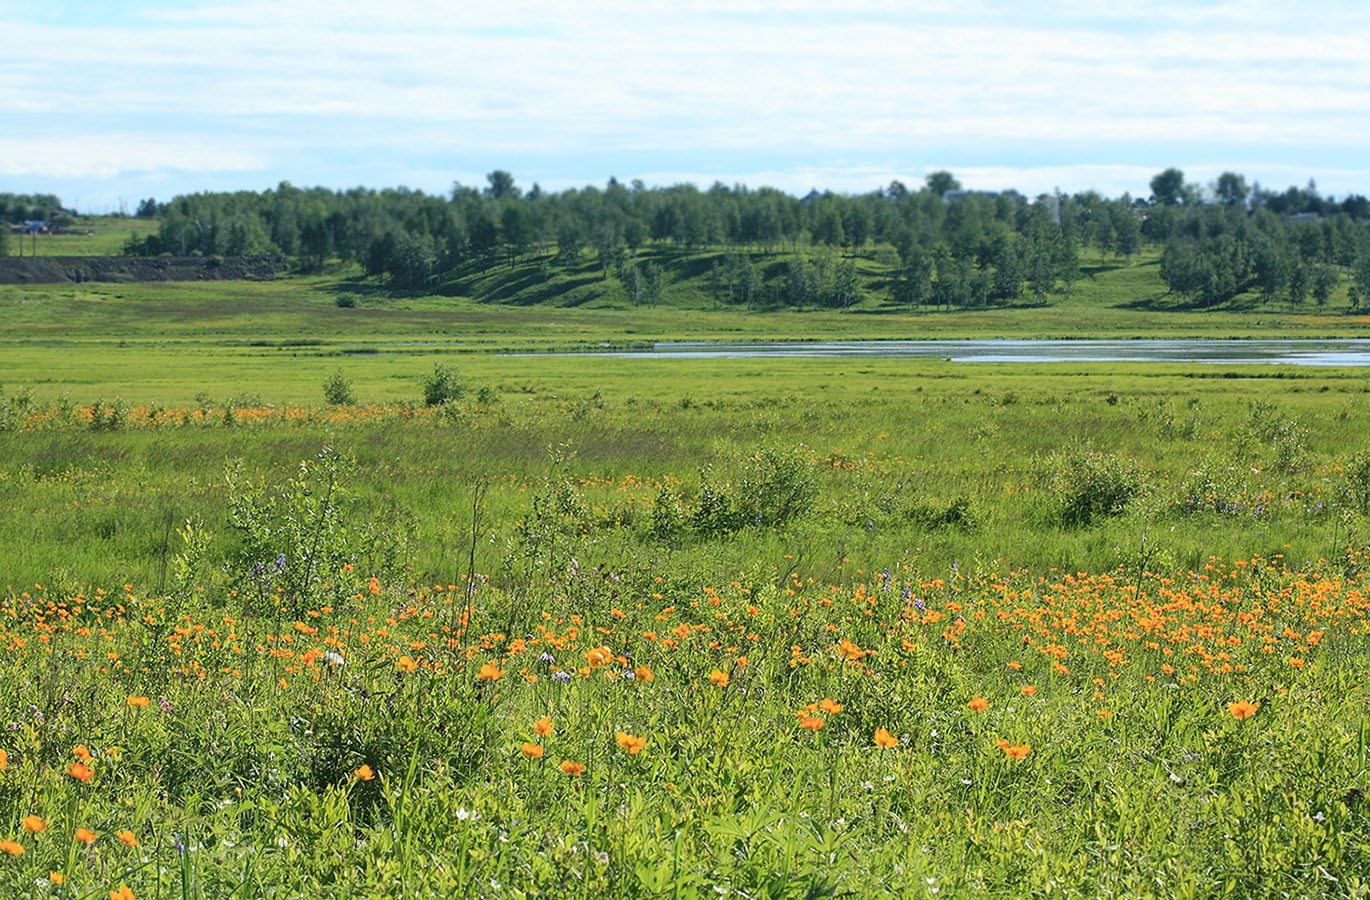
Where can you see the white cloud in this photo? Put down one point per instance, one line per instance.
(112, 155)
(869, 82)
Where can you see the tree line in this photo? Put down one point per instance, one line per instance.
(934, 244)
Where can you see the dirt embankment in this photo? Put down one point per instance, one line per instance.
(67, 269)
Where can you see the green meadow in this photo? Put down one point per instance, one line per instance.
(316, 599)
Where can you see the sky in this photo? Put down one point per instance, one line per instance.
(106, 103)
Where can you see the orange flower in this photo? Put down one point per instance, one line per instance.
(631, 743)
(82, 753)
(56, 878)
(34, 825)
(848, 650)
(364, 773)
(128, 838)
(124, 893)
(600, 656)
(13, 848)
(718, 678)
(139, 702)
(813, 723)
(543, 726)
(829, 706)
(978, 704)
(406, 664)
(1243, 709)
(80, 771)
(884, 739)
(85, 835)
(1029, 690)
(489, 673)
(574, 769)
(1296, 662)
(532, 751)
(1018, 751)
(644, 673)
(1015, 665)
(1104, 713)
(4, 760)
(1001, 744)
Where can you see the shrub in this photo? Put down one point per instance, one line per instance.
(1358, 479)
(443, 386)
(337, 390)
(1089, 485)
(298, 546)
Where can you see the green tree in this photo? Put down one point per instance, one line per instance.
(501, 185)
(1168, 188)
(654, 281)
(1127, 231)
(1324, 281)
(1230, 189)
(941, 181)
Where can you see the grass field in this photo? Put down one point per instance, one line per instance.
(89, 236)
(669, 628)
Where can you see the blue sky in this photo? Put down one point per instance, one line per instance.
(106, 103)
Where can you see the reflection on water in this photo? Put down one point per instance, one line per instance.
(1298, 353)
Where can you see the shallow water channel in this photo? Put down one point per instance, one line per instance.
(1291, 352)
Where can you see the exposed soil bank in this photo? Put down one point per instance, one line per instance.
(69, 269)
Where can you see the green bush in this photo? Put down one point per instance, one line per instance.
(337, 390)
(443, 386)
(1089, 485)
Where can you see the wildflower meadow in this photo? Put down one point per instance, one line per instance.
(852, 634)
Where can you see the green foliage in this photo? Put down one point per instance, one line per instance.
(1089, 485)
(444, 385)
(301, 545)
(337, 389)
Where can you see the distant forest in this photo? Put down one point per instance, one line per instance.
(937, 244)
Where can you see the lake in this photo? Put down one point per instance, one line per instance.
(1290, 352)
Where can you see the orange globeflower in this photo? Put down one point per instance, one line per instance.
(82, 753)
(718, 678)
(543, 726)
(829, 707)
(1018, 751)
(80, 771)
(406, 664)
(631, 743)
(532, 751)
(124, 893)
(489, 673)
(1029, 690)
(600, 656)
(56, 878)
(4, 760)
(574, 769)
(884, 739)
(139, 702)
(85, 835)
(644, 673)
(848, 650)
(364, 773)
(33, 824)
(978, 704)
(813, 723)
(128, 838)
(1243, 709)
(13, 848)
